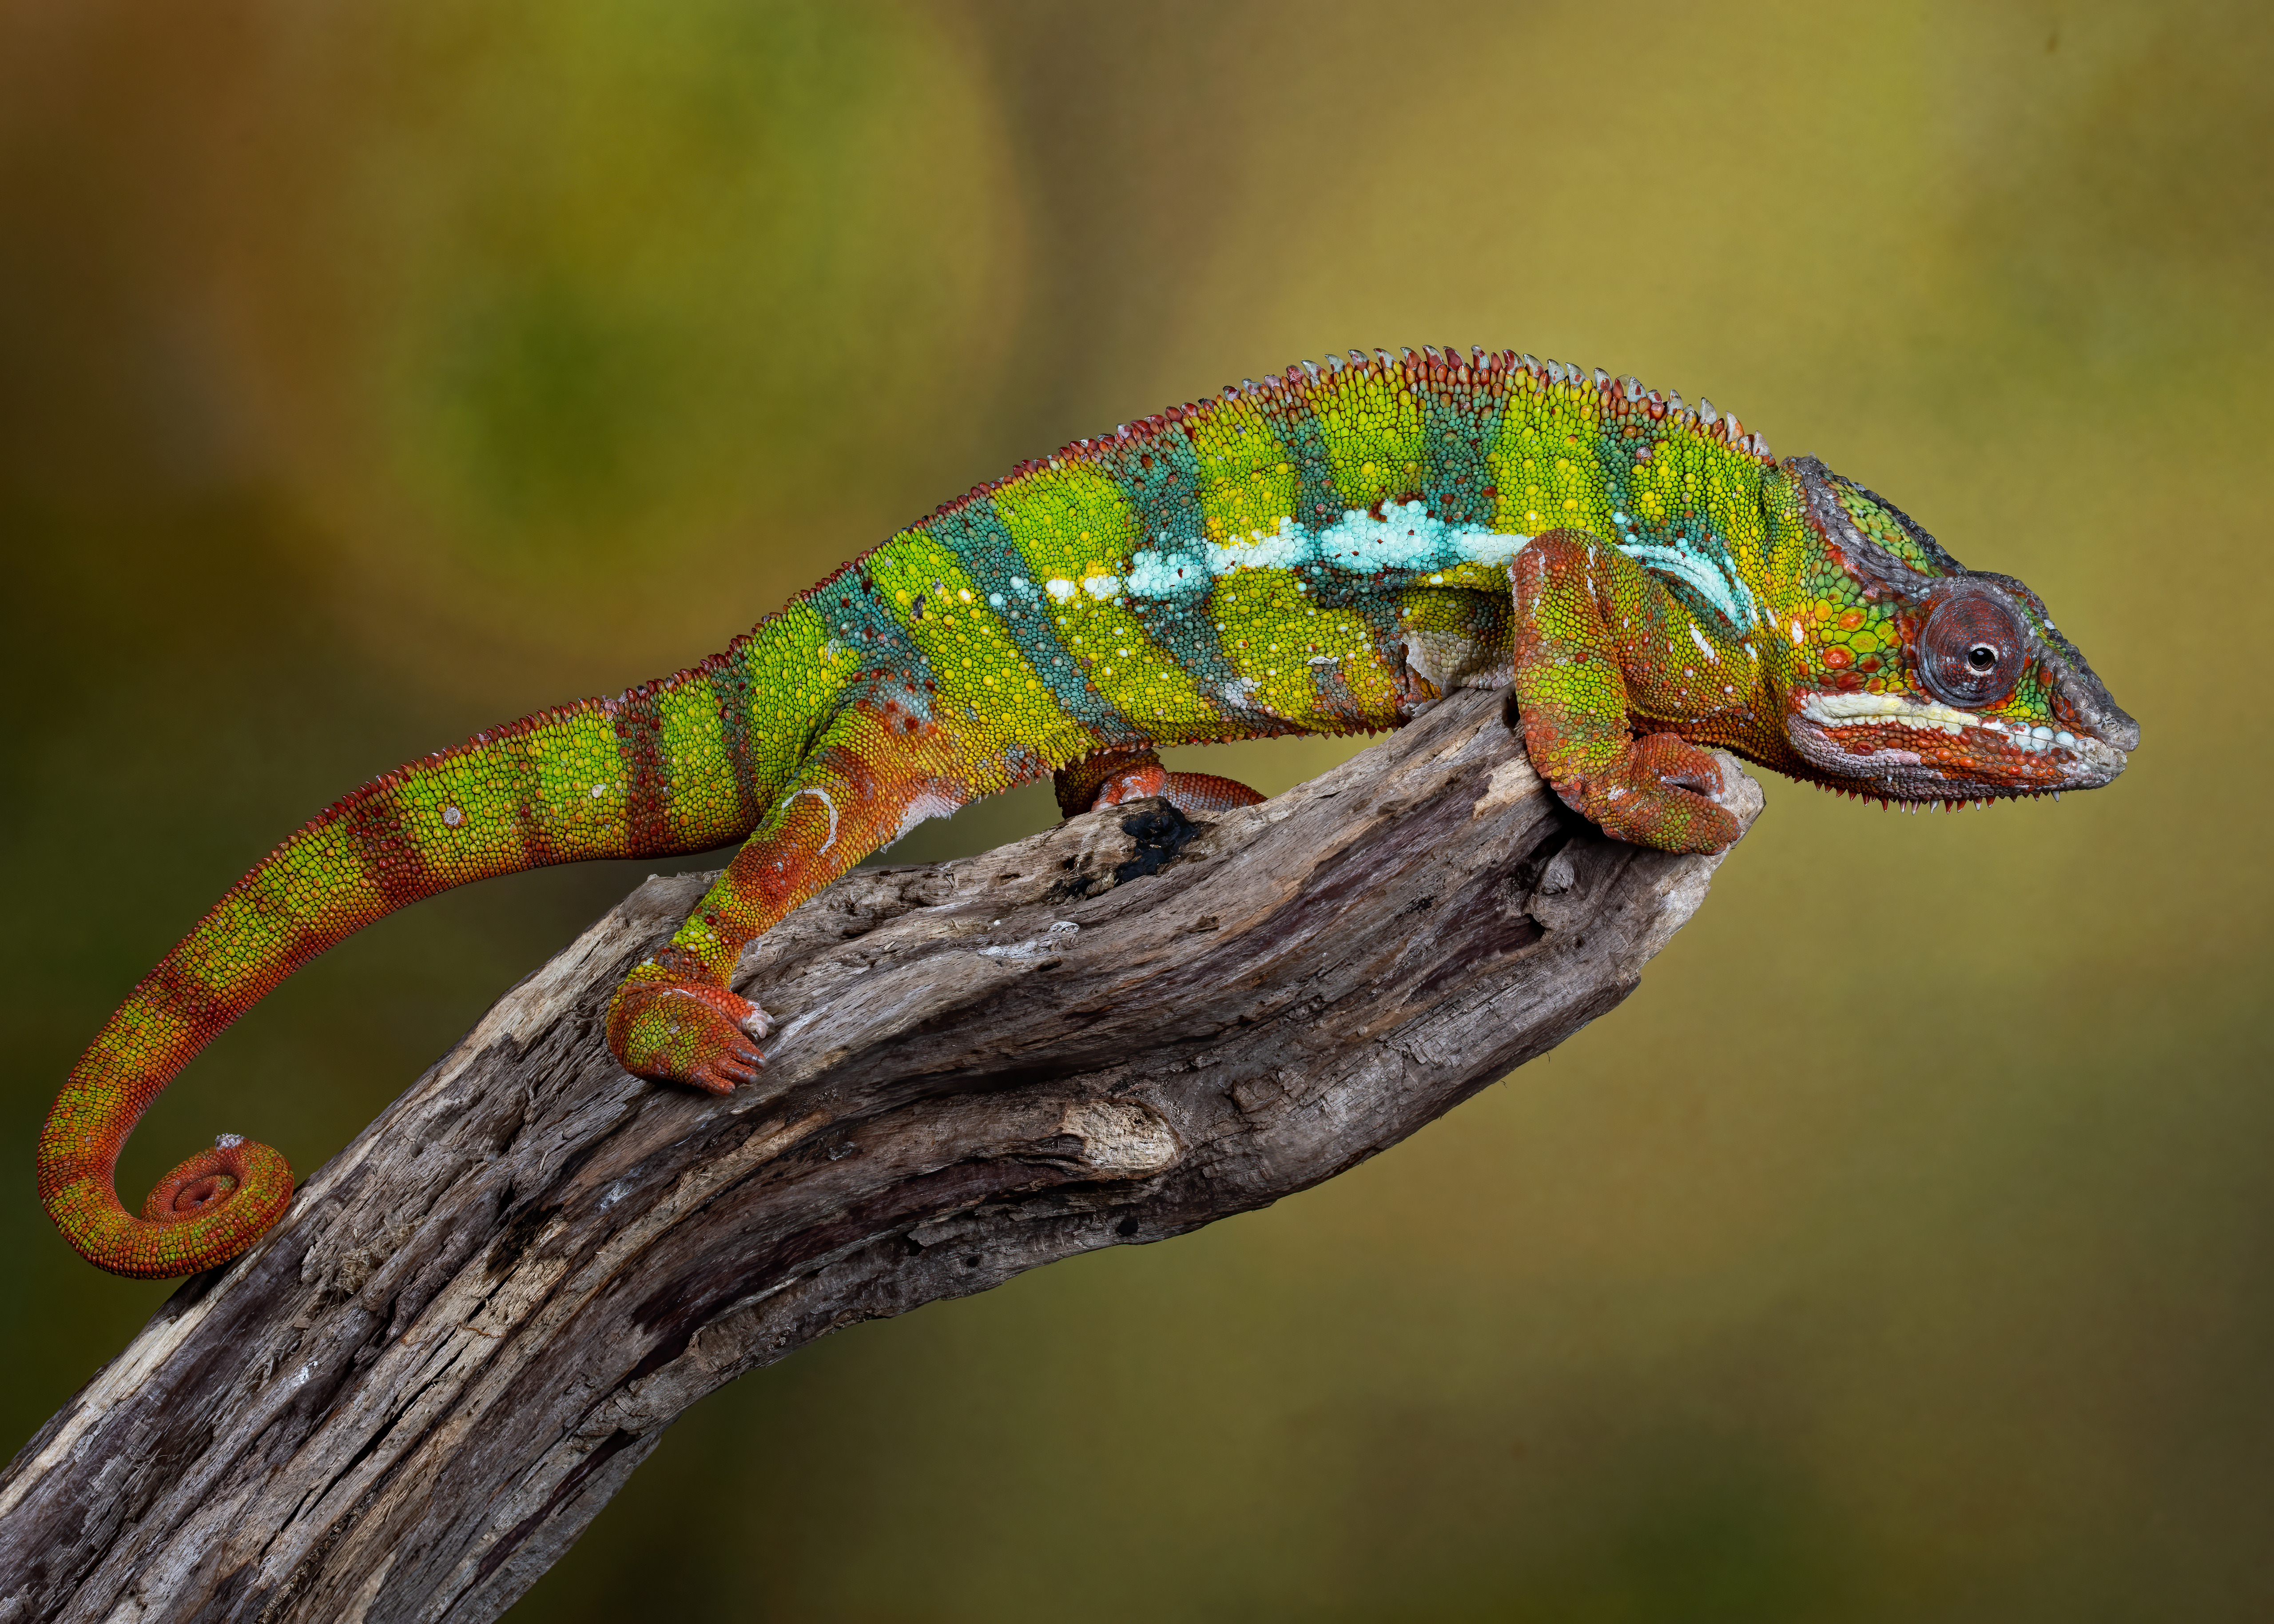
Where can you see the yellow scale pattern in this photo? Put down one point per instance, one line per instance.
(1073, 526)
(989, 695)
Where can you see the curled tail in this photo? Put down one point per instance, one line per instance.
(665, 768)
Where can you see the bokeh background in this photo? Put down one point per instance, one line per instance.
(371, 373)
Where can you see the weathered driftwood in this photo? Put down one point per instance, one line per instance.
(475, 1321)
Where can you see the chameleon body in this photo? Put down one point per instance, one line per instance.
(1323, 552)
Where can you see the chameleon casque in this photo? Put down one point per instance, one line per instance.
(1323, 552)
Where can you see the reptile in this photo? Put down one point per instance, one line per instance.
(1325, 552)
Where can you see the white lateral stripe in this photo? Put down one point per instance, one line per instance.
(1848, 709)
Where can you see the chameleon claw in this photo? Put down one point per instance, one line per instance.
(729, 1071)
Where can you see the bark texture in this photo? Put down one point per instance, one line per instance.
(477, 1319)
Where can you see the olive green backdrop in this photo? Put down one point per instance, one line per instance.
(1899, 1252)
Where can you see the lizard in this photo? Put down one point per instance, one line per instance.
(1326, 551)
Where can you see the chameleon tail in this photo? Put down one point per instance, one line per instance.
(593, 779)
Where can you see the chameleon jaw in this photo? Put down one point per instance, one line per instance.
(1909, 747)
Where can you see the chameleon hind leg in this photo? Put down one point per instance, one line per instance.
(1112, 777)
(675, 1018)
(1592, 635)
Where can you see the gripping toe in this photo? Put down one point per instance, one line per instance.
(1664, 793)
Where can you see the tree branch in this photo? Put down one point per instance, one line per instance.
(475, 1321)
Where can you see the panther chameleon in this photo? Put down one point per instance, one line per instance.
(1326, 551)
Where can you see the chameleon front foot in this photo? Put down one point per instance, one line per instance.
(677, 1030)
(1663, 793)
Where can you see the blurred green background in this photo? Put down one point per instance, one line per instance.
(1899, 1252)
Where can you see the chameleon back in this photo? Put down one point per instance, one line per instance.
(1288, 557)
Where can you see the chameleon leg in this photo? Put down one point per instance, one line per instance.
(675, 1018)
(1113, 777)
(1579, 608)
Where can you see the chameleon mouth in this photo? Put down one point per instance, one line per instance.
(1913, 748)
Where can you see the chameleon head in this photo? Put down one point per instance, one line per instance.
(1916, 678)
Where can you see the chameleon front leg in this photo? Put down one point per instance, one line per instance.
(1112, 777)
(1589, 631)
(675, 1018)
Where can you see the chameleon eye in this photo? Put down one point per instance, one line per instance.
(1970, 651)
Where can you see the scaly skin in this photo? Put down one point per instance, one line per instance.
(1324, 553)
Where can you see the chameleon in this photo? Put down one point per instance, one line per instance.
(1327, 551)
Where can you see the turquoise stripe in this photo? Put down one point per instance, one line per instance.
(975, 532)
(1161, 478)
(1404, 541)
(1459, 424)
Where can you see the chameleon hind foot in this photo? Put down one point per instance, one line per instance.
(1108, 781)
(1663, 793)
(1192, 793)
(674, 1029)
